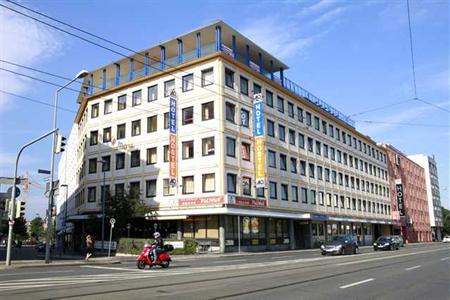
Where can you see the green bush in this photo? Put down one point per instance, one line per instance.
(190, 246)
(125, 246)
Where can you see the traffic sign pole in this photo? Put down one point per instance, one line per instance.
(112, 221)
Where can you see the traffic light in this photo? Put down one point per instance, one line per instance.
(60, 143)
(20, 209)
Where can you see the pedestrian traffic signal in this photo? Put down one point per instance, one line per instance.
(60, 143)
(20, 209)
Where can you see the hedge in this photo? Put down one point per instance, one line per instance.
(125, 245)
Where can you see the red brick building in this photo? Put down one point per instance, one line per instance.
(408, 197)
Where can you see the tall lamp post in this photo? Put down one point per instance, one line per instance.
(103, 202)
(80, 75)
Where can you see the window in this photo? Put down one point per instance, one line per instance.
(230, 110)
(324, 127)
(283, 162)
(246, 186)
(303, 167)
(168, 190)
(291, 137)
(135, 189)
(342, 201)
(294, 193)
(331, 130)
(135, 158)
(169, 86)
(151, 156)
(312, 195)
(188, 82)
(304, 195)
(333, 176)
(281, 132)
(245, 116)
(280, 104)
(208, 146)
(106, 163)
(229, 78)
(338, 134)
(339, 156)
(231, 147)
(207, 77)
(188, 115)
(260, 192)
(208, 183)
(335, 200)
(120, 161)
(325, 150)
(308, 118)
(152, 124)
(318, 147)
(245, 151)
(301, 140)
(122, 102)
(207, 111)
(284, 192)
(310, 145)
(272, 159)
(312, 168)
(316, 123)
(188, 185)
(269, 98)
(349, 203)
(94, 138)
(353, 203)
(319, 172)
(300, 114)
(92, 165)
(332, 153)
(136, 98)
(187, 149)
(270, 128)
(94, 110)
(273, 190)
(120, 131)
(136, 128)
(152, 93)
(256, 88)
(321, 196)
(166, 120)
(293, 165)
(106, 134)
(150, 188)
(108, 107)
(120, 190)
(166, 153)
(244, 86)
(327, 175)
(328, 199)
(231, 183)
(92, 192)
(290, 109)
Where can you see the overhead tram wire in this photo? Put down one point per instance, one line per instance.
(36, 101)
(379, 108)
(400, 123)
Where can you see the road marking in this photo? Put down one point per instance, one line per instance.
(28, 273)
(356, 283)
(388, 257)
(109, 268)
(445, 258)
(412, 268)
(228, 261)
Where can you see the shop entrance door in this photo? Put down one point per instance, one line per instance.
(302, 235)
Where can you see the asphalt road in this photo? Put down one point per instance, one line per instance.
(414, 272)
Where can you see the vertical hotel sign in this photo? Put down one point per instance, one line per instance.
(399, 195)
(258, 134)
(173, 140)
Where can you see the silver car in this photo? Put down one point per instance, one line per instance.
(399, 239)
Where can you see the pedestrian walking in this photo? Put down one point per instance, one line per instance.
(89, 247)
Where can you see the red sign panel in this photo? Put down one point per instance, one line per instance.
(250, 202)
(200, 201)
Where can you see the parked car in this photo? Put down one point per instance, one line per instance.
(340, 244)
(386, 243)
(446, 239)
(40, 247)
(399, 240)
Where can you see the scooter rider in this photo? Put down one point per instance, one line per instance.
(157, 245)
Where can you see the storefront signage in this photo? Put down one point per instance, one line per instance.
(255, 225)
(319, 217)
(173, 140)
(245, 225)
(399, 195)
(200, 201)
(258, 133)
(250, 202)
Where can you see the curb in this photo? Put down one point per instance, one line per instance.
(58, 264)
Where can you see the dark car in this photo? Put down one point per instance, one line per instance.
(386, 243)
(340, 244)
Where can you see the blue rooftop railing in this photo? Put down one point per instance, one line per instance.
(211, 48)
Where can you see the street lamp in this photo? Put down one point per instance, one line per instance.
(103, 202)
(80, 75)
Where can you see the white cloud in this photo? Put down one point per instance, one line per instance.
(27, 43)
(328, 16)
(317, 7)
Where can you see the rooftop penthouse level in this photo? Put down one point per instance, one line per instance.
(217, 37)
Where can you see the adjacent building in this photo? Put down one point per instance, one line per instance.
(210, 132)
(408, 197)
(428, 163)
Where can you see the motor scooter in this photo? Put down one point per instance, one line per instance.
(162, 260)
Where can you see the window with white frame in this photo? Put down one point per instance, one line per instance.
(188, 115)
(168, 190)
(136, 98)
(136, 128)
(207, 111)
(152, 93)
(207, 77)
(187, 149)
(151, 156)
(169, 86)
(108, 107)
(188, 82)
(188, 185)
(246, 186)
(231, 183)
(208, 146)
(230, 111)
(208, 183)
(245, 151)
(150, 188)
(231, 147)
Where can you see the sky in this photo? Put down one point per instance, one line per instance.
(355, 55)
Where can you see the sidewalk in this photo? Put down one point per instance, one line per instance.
(59, 262)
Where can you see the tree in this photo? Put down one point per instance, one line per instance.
(37, 228)
(20, 229)
(446, 221)
(125, 207)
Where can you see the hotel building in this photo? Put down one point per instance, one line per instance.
(321, 176)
